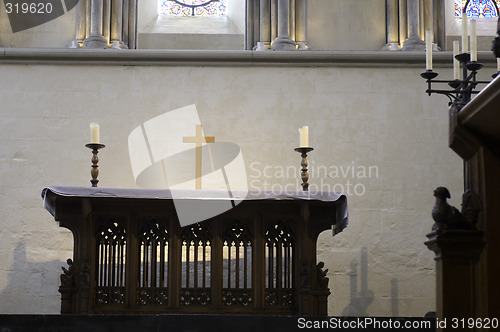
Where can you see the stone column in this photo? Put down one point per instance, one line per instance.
(274, 19)
(392, 26)
(81, 29)
(249, 25)
(265, 22)
(301, 24)
(413, 42)
(116, 34)
(428, 15)
(96, 38)
(291, 19)
(106, 18)
(283, 42)
(253, 22)
(403, 20)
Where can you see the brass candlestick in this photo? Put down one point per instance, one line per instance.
(94, 172)
(304, 175)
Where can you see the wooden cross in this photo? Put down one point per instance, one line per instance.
(198, 139)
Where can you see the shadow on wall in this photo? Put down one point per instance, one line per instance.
(362, 299)
(32, 287)
(394, 298)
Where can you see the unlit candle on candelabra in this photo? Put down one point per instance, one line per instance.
(456, 63)
(428, 49)
(304, 136)
(473, 41)
(94, 133)
(465, 41)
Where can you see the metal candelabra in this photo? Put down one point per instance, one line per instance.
(304, 174)
(461, 90)
(94, 172)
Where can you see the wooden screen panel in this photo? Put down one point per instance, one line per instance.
(111, 240)
(153, 264)
(237, 267)
(280, 265)
(196, 252)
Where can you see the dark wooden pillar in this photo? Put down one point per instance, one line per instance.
(475, 137)
(306, 252)
(314, 291)
(457, 253)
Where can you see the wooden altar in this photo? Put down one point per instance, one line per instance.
(131, 255)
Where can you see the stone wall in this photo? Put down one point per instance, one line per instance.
(376, 135)
(355, 27)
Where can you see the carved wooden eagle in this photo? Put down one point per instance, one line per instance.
(448, 217)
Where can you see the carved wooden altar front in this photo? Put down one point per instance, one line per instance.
(131, 255)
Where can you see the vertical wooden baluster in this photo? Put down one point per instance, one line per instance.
(159, 253)
(167, 248)
(101, 266)
(195, 259)
(144, 249)
(122, 265)
(183, 265)
(154, 256)
(237, 271)
(229, 263)
(204, 265)
(162, 264)
(245, 265)
(106, 249)
(201, 266)
(279, 266)
(167, 270)
(108, 264)
(224, 266)
(141, 282)
(250, 260)
(285, 266)
(289, 277)
(271, 268)
(113, 263)
(146, 264)
(268, 267)
(275, 265)
(209, 263)
(188, 263)
(292, 249)
(118, 265)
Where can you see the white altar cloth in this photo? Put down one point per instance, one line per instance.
(208, 195)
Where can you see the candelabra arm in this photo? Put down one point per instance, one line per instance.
(462, 89)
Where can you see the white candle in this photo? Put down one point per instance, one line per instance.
(473, 41)
(428, 49)
(465, 41)
(456, 63)
(94, 133)
(304, 137)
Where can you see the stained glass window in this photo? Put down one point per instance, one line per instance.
(193, 7)
(478, 8)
